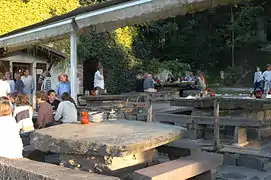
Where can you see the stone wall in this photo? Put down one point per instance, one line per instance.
(24, 169)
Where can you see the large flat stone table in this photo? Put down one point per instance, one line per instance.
(108, 145)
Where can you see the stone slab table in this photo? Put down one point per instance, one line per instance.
(230, 103)
(105, 147)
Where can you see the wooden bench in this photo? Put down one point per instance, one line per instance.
(25, 169)
(194, 167)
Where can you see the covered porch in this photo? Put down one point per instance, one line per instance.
(102, 17)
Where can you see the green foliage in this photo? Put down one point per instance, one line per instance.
(18, 13)
(119, 73)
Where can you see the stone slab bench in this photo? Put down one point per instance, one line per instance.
(197, 166)
(25, 169)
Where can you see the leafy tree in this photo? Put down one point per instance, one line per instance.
(19, 13)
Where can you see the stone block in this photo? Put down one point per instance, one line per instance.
(25, 169)
(267, 166)
(106, 164)
(183, 168)
(252, 162)
(230, 159)
(240, 136)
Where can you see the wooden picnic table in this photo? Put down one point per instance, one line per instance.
(110, 140)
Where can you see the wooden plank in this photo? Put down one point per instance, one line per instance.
(216, 125)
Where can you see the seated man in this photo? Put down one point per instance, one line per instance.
(52, 99)
(148, 84)
(45, 111)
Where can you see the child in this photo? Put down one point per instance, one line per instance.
(11, 100)
(19, 85)
(52, 99)
(258, 79)
(11, 143)
(23, 113)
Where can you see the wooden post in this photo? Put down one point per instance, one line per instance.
(216, 125)
(149, 117)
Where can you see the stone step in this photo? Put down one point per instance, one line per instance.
(254, 158)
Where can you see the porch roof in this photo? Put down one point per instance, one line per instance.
(104, 17)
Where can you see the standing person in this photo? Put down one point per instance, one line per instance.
(4, 86)
(23, 113)
(258, 79)
(267, 79)
(19, 85)
(52, 99)
(10, 81)
(201, 82)
(46, 82)
(28, 84)
(45, 111)
(66, 111)
(99, 80)
(10, 140)
(64, 85)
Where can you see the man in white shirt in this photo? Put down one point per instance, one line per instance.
(99, 81)
(5, 87)
(267, 79)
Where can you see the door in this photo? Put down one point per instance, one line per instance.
(40, 68)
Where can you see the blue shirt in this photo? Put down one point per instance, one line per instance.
(63, 87)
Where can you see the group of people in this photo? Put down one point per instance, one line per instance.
(16, 110)
(21, 83)
(262, 81)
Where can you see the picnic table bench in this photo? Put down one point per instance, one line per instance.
(256, 114)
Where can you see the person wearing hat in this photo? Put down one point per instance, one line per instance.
(267, 79)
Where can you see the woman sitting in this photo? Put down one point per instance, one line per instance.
(11, 143)
(23, 113)
(66, 111)
(45, 111)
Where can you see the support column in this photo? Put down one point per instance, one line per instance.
(73, 67)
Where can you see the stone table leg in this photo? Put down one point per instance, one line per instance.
(108, 165)
(240, 136)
